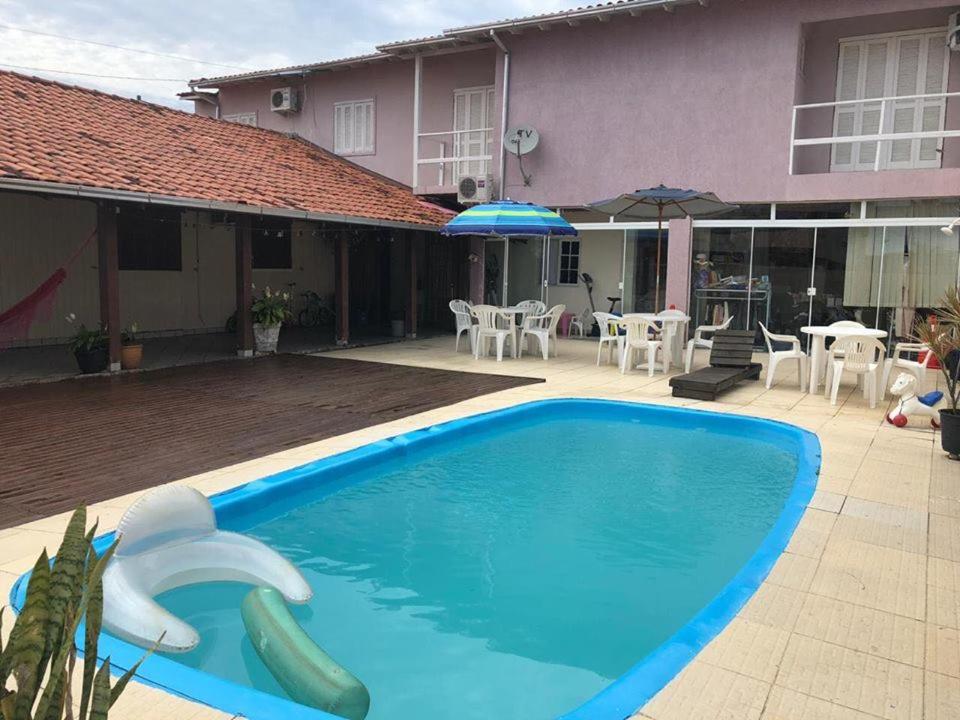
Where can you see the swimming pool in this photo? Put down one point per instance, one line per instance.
(516, 564)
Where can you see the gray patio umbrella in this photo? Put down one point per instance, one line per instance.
(662, 203)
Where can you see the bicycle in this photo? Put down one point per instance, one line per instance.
(317, 311)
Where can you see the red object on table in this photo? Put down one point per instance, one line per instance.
(934, 363)
(565, 319)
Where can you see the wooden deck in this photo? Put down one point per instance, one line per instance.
(90, 439)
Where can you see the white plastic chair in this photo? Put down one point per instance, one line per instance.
(543, 328)
(668, 333)
(609, 335)
(529, 307)
(847, 323)
(493, 324)
(859, 355)
(916, 368)
(640, 337)
(465, 324)
(699, 341)
(777, 356)
(578, 323)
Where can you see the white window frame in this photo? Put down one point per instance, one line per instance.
(890, 77)
(353, 148)
(244, 118)
(564, 251)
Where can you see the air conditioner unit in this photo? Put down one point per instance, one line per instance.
(473, 189)
(953, 32)
(284, 100)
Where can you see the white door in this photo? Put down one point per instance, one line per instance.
(473, 123)
(885, 66)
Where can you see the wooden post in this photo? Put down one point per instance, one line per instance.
(343, 290)
(244, 262)
(109, 265)
(412, 242)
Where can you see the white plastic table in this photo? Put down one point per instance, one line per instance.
(673, 331)
(818, 350)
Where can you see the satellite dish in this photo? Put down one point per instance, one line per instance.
(521, 139)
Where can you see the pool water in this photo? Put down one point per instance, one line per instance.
(513, 571)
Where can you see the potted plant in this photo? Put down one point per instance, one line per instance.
(89, 347)
(131, 350)
(943, 338)
(269, 311)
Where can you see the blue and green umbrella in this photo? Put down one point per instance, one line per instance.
(506, 218)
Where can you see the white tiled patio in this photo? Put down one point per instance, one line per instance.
(860, 618)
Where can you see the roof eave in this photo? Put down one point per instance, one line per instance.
(626, 7)
(297, 72)
(98, 193)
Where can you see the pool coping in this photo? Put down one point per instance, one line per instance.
(632, 690)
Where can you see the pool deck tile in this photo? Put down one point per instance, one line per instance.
(858, 620)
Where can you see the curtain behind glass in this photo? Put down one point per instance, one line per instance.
(933, 257)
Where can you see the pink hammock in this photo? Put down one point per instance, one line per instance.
(15, 321)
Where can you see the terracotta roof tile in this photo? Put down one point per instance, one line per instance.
(65, 134)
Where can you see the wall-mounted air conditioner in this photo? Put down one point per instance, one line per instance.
(473, 189)
(284, 100)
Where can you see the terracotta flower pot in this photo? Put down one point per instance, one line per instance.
(92, 361)
(266, 337)
(131, 356)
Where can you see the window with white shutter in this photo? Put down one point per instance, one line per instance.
(354, 128)
(904, 64)
(472, 116)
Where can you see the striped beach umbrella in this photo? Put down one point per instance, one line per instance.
(508, 218)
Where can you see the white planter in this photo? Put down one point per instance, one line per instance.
(266, 337)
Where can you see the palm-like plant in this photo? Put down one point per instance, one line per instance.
(943, 339)
(41, 654)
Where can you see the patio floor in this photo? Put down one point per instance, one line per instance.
(859, 619)
(90, 439)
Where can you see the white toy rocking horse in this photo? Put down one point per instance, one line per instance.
(911, 404)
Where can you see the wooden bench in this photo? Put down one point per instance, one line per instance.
(731, 360)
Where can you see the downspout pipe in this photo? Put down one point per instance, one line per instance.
(503, 114)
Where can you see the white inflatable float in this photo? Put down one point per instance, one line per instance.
(168, 539)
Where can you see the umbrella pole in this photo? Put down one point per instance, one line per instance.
(656, 297)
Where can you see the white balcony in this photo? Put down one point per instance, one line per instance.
(884, 133)
(443, 157)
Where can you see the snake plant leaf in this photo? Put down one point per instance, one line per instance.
(94, 620)
(7, 701)
(101, 693)
(66, 579)
(59, 662)
(128, 675)
(28, 638)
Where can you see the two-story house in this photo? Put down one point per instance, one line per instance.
(832, 123)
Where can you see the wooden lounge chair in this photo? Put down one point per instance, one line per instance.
(730, 362)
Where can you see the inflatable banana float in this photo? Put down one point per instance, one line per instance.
(303, 669)
(167, 539)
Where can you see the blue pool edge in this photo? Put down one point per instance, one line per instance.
(620, 699)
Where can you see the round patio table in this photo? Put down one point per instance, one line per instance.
(818, 352)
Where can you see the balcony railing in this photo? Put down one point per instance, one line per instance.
(447, 140)
(882, 136)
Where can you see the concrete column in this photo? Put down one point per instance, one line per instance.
(679, 260)
(244, 263)
(413, 242)
(109, 265)
(343, 290)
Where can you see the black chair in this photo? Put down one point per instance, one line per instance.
(731, 360)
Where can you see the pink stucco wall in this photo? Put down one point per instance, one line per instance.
(699, 97)
(390, 84)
